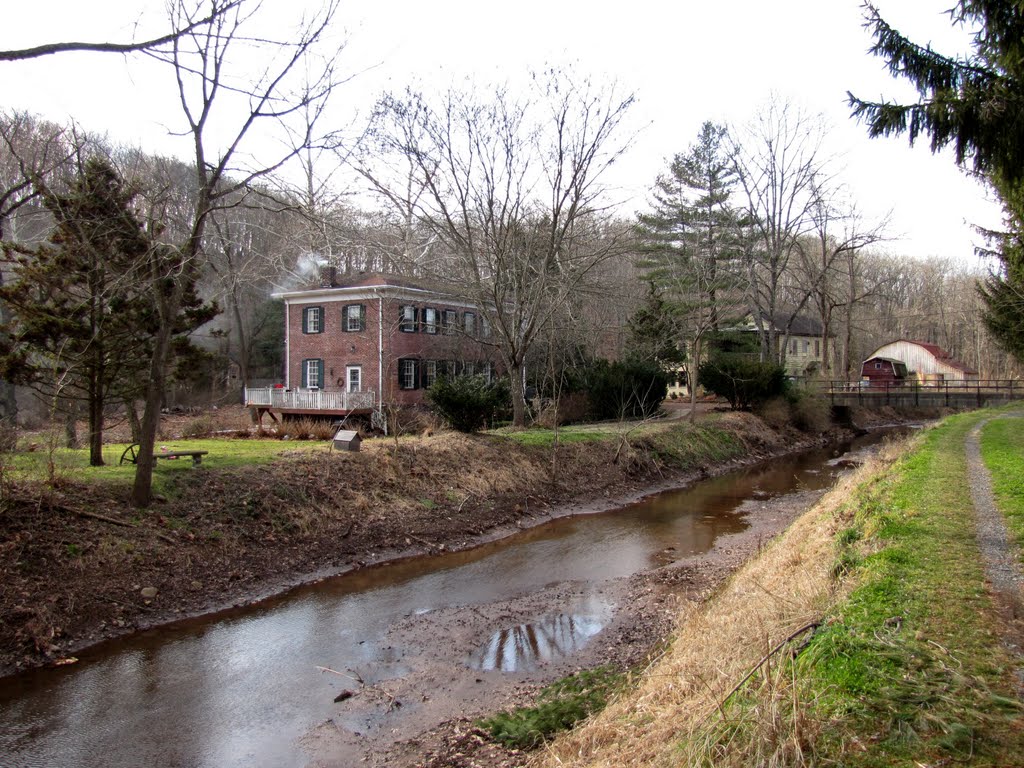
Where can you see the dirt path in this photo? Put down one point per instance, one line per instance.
(998, 552)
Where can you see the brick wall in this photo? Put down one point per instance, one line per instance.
(339, 349)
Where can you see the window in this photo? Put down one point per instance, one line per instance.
(407, 373)
(407, 319)
(487, 371)
(485, 328)
(469, 323)
(354, 374)
(429, 373)
(878, 365)
(429, 320)
(792, 347)
(353, 318)
(468, 368)
(312, 373)
(449, 321)
(817, 347)
(312, 319)
(807, 347)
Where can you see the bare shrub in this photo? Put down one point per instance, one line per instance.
(811, 414)
(775, 413)
(566, 410)
(201, 426)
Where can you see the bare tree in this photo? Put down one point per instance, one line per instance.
(511, 186)
(156, 43)
(838, 236)
(219, 100)
(781, 170)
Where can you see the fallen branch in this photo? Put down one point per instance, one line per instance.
(111, 520)
(765, 658)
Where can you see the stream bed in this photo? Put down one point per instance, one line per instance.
(246, 687)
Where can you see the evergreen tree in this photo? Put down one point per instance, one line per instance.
(975, 104)
(690, 238)
(79, 303)
(654, 333)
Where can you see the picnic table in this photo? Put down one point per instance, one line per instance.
(131, 455)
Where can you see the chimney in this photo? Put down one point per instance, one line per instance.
(328, 275)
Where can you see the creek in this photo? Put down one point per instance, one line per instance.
(235, 688)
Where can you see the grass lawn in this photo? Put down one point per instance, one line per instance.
(73, 464)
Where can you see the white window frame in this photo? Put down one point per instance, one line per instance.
(431, 320)
(313, 320)
(313, 374)
(353, 375)
(429, 373)
(407, 319)
(353, 318)
(407, 370)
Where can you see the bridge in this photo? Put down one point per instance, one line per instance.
(948, 394)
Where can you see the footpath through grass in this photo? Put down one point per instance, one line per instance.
(1002, 448)
(910, 669)
(862, 637)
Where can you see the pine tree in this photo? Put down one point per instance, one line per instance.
(79, 306)
(690, 238)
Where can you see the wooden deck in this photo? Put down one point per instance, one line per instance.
(307, 402)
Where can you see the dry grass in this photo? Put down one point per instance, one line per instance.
(678, 714)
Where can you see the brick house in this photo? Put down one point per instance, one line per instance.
(362, 343)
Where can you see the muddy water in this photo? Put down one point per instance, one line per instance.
(240, 688)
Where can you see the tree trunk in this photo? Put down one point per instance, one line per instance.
(96, 431)
(133, 420)
(142, 490)
(70, 425)
(518, 391)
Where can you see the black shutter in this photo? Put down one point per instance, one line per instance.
(305, 322)
(362, 317)
(320, 376)
(305, 367)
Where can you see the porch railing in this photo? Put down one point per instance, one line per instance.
(309, 399)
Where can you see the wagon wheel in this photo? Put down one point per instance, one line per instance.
(131, 454)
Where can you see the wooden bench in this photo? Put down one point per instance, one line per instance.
(131, 455)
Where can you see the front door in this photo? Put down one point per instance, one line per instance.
(354, 374)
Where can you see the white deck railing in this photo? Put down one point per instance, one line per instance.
(309, 399)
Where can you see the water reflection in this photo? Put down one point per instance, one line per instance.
(525, 646)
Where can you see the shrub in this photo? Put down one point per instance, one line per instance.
(567, 409)
(743, 382)
(560, 706)
(628, 389)
(467, 403)
(808, 412)
(198, 427)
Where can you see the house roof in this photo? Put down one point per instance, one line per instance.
(802, 325)
(343, 285)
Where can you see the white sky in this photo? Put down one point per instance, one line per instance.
(687, 61)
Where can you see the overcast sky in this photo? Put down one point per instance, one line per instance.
(687, 62)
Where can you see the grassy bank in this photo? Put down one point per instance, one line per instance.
(862, 637)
